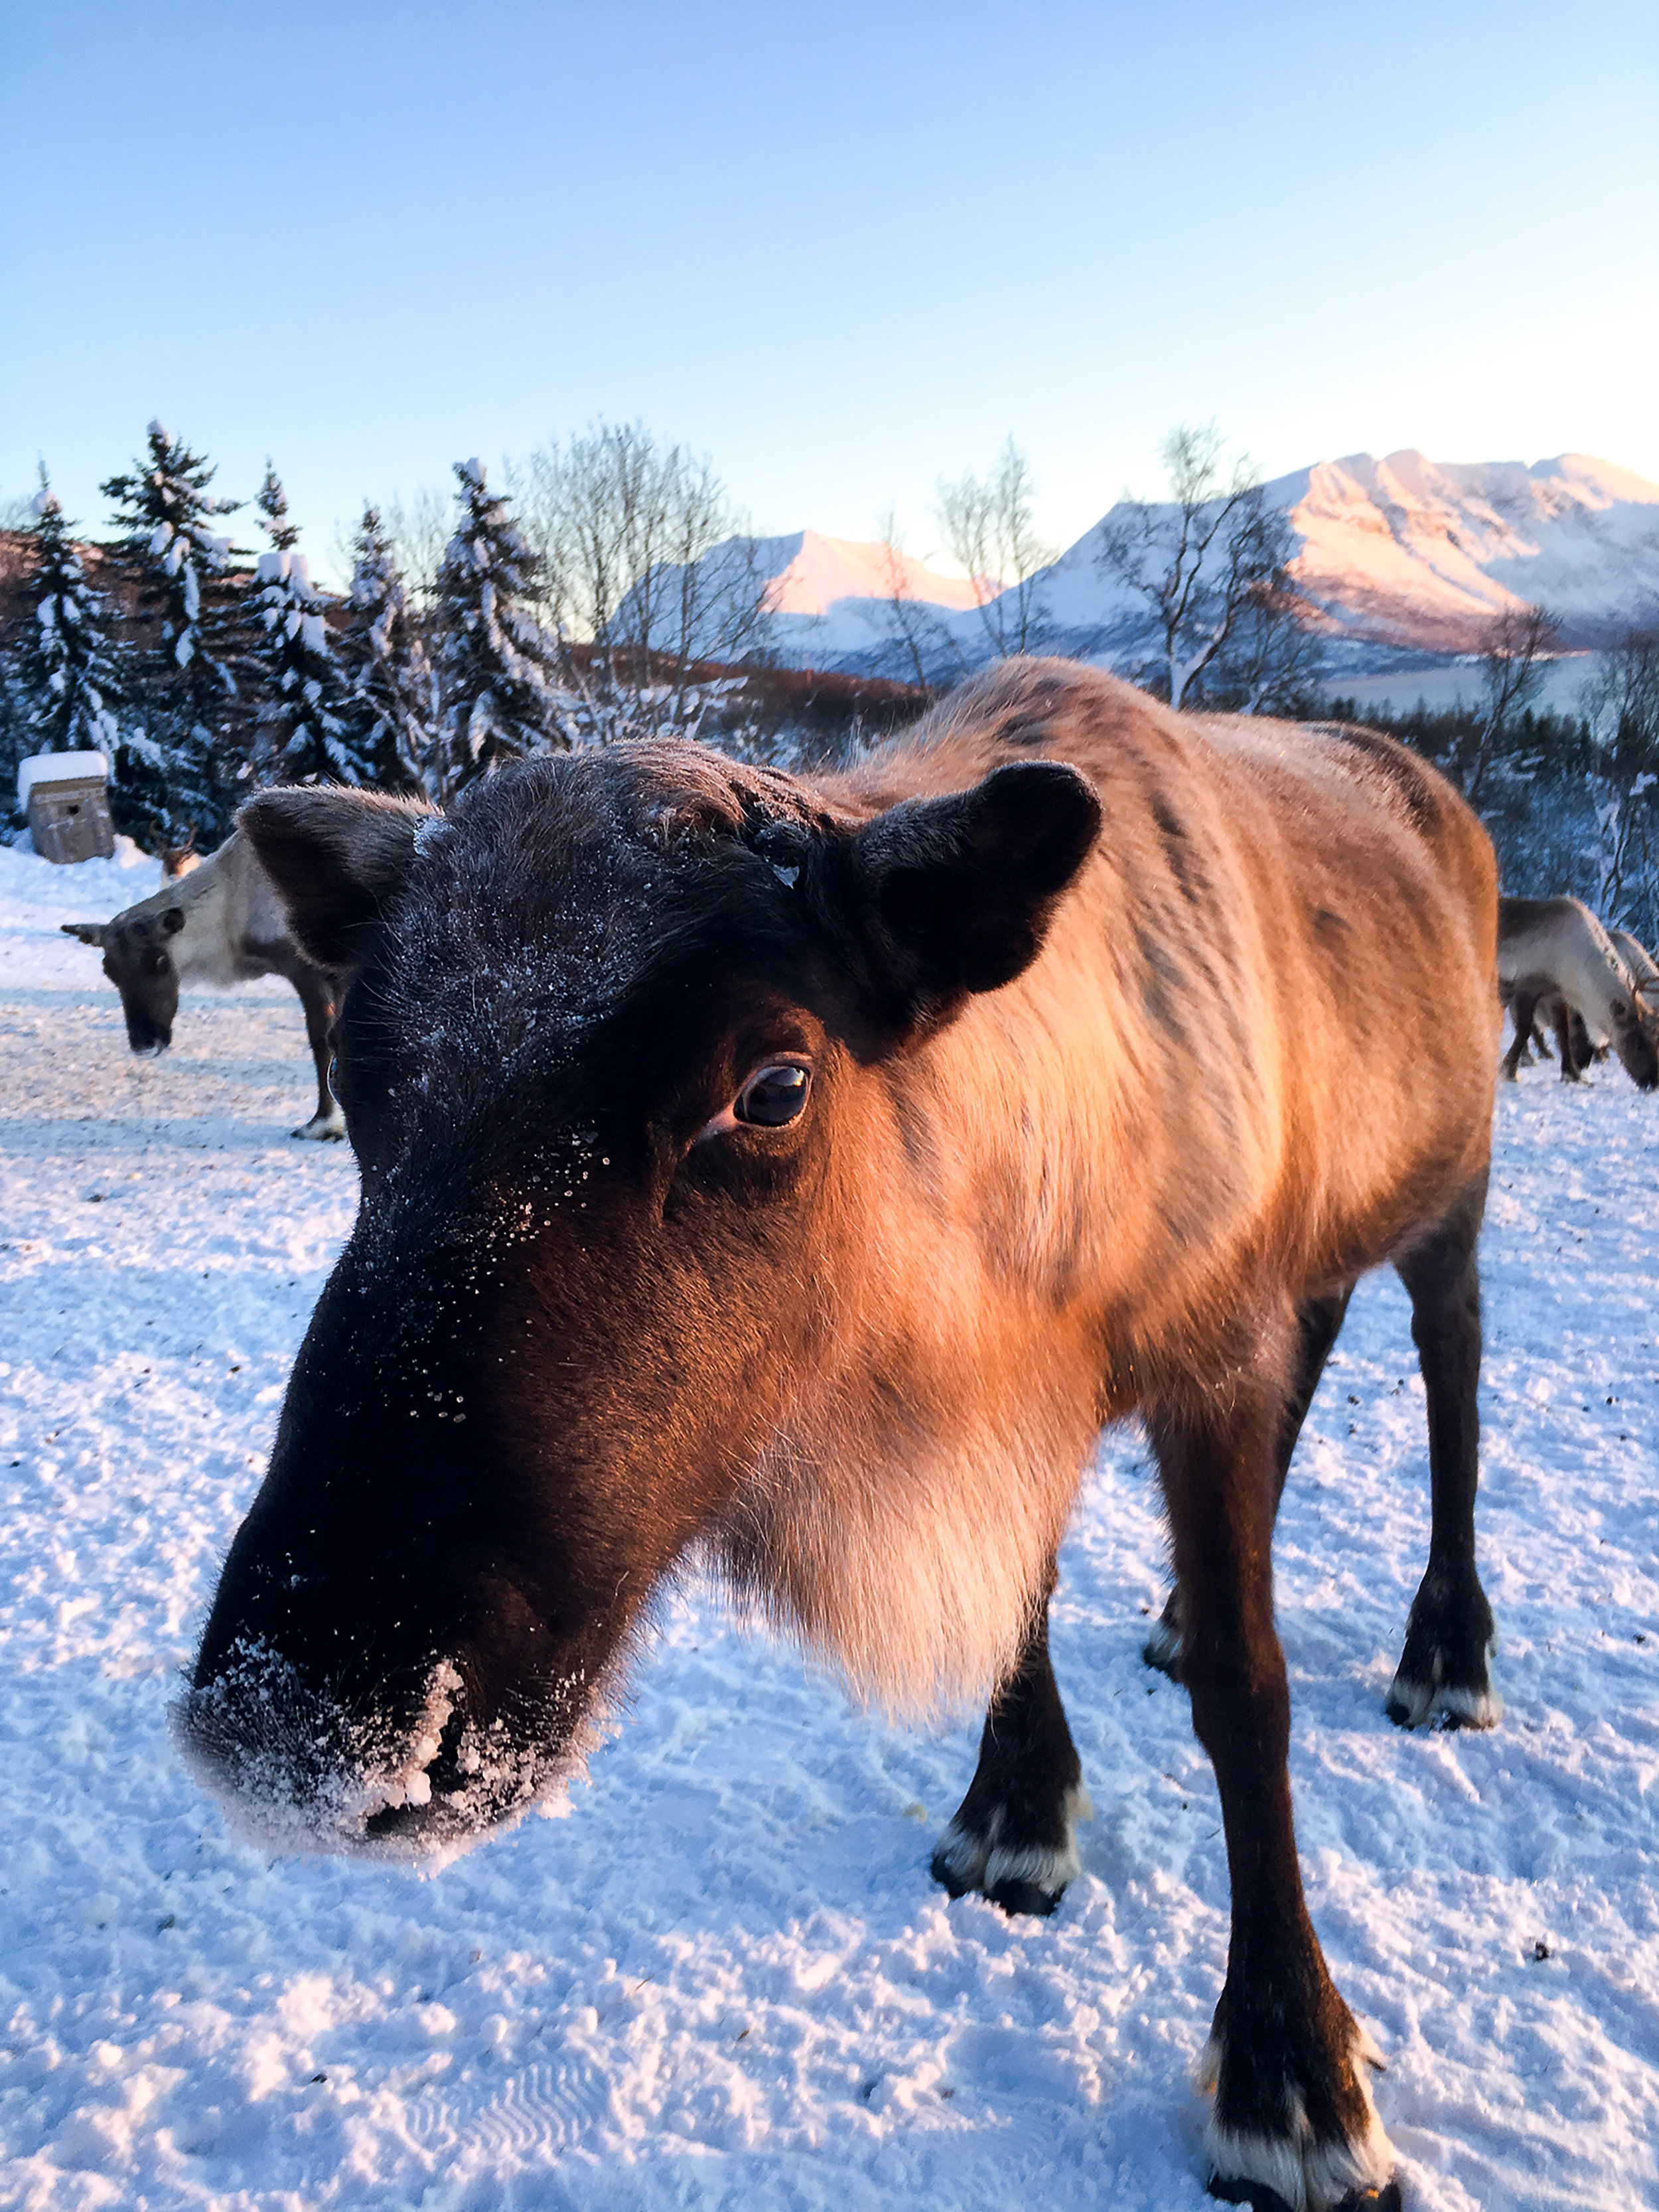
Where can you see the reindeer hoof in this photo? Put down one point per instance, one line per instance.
(1411, 1704)
(1027, 1876)
(1281, 2169)
(1261, 2198)
(1162, 1650)
(1445, 1672)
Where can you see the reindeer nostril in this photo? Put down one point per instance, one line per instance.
(444, 1769)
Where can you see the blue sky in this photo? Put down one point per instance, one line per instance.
(842, 249)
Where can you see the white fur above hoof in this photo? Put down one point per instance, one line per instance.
(1161, 1649)
(1415, 1704)
(1309, 2175)
(323, 1128)
(1021, 1878)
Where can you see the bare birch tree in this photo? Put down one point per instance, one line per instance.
(917, 639)
(417, 530)
(1274, 661)
(1622, 706)
(1519, 641)
(647, 573)
(991, 533)
(1198, 560)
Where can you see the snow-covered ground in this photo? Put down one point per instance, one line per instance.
(725, 1980)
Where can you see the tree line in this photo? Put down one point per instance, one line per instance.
(1571, 799)
(607, 588)
(463, 639)
(589, 596)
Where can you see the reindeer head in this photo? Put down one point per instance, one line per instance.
(137, 949)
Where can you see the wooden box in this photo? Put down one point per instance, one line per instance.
(66, 799)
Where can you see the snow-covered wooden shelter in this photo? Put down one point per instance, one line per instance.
(66, 799)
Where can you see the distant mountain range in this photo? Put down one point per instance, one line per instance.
(1405, 559)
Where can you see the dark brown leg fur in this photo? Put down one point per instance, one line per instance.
(1319, 1323)
(1292, 2110)
(1012, 1837)
(1443, 1669)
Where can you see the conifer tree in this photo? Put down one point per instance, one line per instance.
(493, 660)
(176, 773)
(384, 665)
(301, 731)
(67, 667)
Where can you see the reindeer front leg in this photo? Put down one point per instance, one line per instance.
(1293, 2113)
(1524, 1008)
(1012, 1837)
(1318, 1325)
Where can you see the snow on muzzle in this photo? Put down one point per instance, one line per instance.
(303, 1766)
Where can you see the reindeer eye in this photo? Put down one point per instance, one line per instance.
(773, 1095)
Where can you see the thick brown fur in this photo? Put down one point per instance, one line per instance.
(1116, 1088)
(1152, 1138)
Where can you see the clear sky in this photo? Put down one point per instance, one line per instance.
(842, 248)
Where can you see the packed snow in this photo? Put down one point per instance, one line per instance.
(725, 1979)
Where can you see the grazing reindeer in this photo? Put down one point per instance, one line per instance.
(1642, 968)
(216, 923)
(1555, 958)
(795, 1173)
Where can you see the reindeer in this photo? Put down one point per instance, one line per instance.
(1555, 958)
(1643, 969)
(793, 1174)
(214, 923)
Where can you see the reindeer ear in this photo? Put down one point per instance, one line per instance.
(89, 932)
(337, 859)
(944, 896)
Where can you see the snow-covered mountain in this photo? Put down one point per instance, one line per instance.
(1418, 552)
(830, 598)
(1402, 555)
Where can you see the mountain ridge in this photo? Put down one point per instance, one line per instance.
(1397, 554)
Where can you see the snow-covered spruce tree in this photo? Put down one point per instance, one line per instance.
(302, 734)
(494, 661)
(67, 671)
(387, 678)
(174, 772)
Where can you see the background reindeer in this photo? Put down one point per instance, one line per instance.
(1555, 958)
(216, 924)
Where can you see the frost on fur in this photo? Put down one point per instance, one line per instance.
(295, 1771)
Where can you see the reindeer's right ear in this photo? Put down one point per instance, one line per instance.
(89, 932)
(337, 859)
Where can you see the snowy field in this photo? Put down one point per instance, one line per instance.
(725, 1980)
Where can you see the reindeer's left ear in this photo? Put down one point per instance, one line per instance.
(944, 896)
(337, 859)
(89, 932)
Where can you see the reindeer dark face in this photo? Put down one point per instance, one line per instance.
(139, 960)
(616, 1056)
(1635, 1027)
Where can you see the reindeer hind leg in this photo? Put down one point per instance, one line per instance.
(328, 1122)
